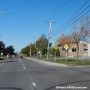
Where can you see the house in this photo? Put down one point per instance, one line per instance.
(88, 49)
(84, 49)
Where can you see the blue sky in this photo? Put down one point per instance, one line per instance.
(29, 19)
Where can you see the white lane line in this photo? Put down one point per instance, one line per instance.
(22, 64)
(34, 84)
(24, 67)
(20, 60)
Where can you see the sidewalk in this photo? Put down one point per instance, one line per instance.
(1, 61)
(47, 62)
(5, 60)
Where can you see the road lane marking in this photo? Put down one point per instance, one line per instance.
(34, 85)
(22, 64)
(20, 60)
(24, 67)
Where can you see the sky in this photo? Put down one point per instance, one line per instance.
(29, 19)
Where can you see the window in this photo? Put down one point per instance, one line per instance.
(85, 49)
(63, 49)
(74, 50)
(84, 45)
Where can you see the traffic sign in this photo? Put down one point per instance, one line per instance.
(66, 46)
(56, 47)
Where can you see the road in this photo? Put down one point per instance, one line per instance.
(23, 74)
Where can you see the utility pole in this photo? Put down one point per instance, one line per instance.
(35, 46)
(49, 32)
(34, 42)
(30, 50)
(55, 50)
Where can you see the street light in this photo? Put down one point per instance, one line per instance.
(5, 13)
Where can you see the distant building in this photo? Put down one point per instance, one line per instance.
(88, 49)
(22, 55)
(84, 49)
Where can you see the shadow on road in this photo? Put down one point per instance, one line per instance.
(53, 87)
(10, 88)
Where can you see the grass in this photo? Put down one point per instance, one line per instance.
(69, 62)
(73, 62)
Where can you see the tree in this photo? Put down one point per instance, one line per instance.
(2, 47)
(39, 46)
(64, 39)
(10, 50)
(6, 50)
(25, 50)
(42, 43)
(82, 32)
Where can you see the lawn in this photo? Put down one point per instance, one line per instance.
(74, 62)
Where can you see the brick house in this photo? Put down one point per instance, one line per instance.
(88, 49)
(84, 49)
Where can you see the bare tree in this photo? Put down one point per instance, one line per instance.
(64, 39)
(82, 32)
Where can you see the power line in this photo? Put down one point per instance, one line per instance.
(73, 22)
(72, 16)
(73, 4)
(58, 6)
(63, 26)
(54, 11)
(65, 4)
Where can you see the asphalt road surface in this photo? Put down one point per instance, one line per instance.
(23, 74)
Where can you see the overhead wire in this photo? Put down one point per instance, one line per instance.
(72, 5)
(53, 13)
(74, 22)
(58, 6)
(63, 5)
(66, 23)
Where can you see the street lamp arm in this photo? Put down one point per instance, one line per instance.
(5, 13)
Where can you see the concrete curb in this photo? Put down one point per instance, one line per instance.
(1, 61)
(47, 62)
(53, 63)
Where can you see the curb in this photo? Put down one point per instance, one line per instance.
(53, 63)
(47, 62)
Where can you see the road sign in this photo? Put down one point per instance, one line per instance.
(66, 46)
(55, 47)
